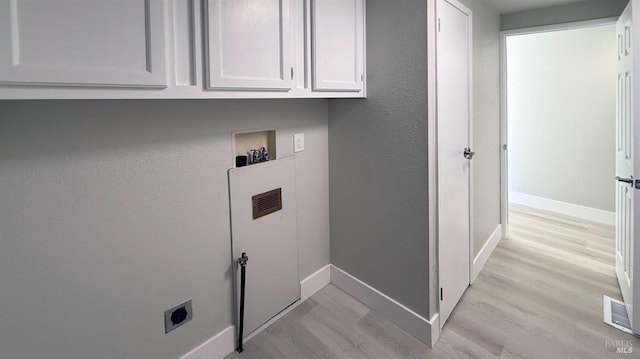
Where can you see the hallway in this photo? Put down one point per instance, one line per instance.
(539, 296)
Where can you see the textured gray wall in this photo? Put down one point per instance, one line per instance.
(486, 121)
(378, 160)
(579, 11)
(377, 153)
(113, 211)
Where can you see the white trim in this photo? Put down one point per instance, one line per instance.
(432, 153)
(436, 329)
(364, 48)
(316, 281)
(562, 26)
(635, 38)
(427, 331)
(218, 346)
(483, 256)
(504, 154)
(471, 146)
(272, 320)
(308, 287)
(569, 209)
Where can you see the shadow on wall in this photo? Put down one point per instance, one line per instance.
(47, 128)
(115, 211)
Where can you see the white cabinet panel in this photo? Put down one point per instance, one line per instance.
(338, 45)
(248, 44)
(82, 43)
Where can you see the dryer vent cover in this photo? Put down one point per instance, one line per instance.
(266, 203)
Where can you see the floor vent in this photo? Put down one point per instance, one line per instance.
(266, 203)
(615, 314)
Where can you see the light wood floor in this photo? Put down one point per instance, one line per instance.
(539, 296)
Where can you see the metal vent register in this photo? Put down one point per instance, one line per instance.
(267, 203)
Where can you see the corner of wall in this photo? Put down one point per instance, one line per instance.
(425, 330)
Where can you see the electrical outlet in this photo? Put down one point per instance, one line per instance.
(178, 316)
(298, 142)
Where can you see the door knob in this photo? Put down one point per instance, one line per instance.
(468, 154)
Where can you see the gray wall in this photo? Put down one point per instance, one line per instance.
(113, 211)
(378, 160)
(486, 121)
(562, 108)
(377, 153)
(579, 11)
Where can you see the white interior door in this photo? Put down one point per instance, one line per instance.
(454, 135)
(626, 183)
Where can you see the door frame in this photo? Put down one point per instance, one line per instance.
(636, 120)
(432, 135)
(504, 153)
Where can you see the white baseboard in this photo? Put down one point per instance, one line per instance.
(219, 346)
(308, 287)
(427, 331)
(569, 209)
(483, 256)
(272, 320)
(223, 343)
(316, 281)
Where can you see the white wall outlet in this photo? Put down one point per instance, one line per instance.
(298, 142)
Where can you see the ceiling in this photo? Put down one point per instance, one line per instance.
(509, 6)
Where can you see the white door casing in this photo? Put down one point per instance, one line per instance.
(504, 158)
(248, 45)
(626, 154)
(454, 120)
(94, 43)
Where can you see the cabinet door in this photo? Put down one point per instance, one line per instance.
(115, 43)
(248, 44)
(338, 45)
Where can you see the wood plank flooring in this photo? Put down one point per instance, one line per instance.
(539, 296)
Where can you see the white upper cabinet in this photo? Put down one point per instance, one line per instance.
(337, 45)
(248, 45)
(91, 43)
(125, 49)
